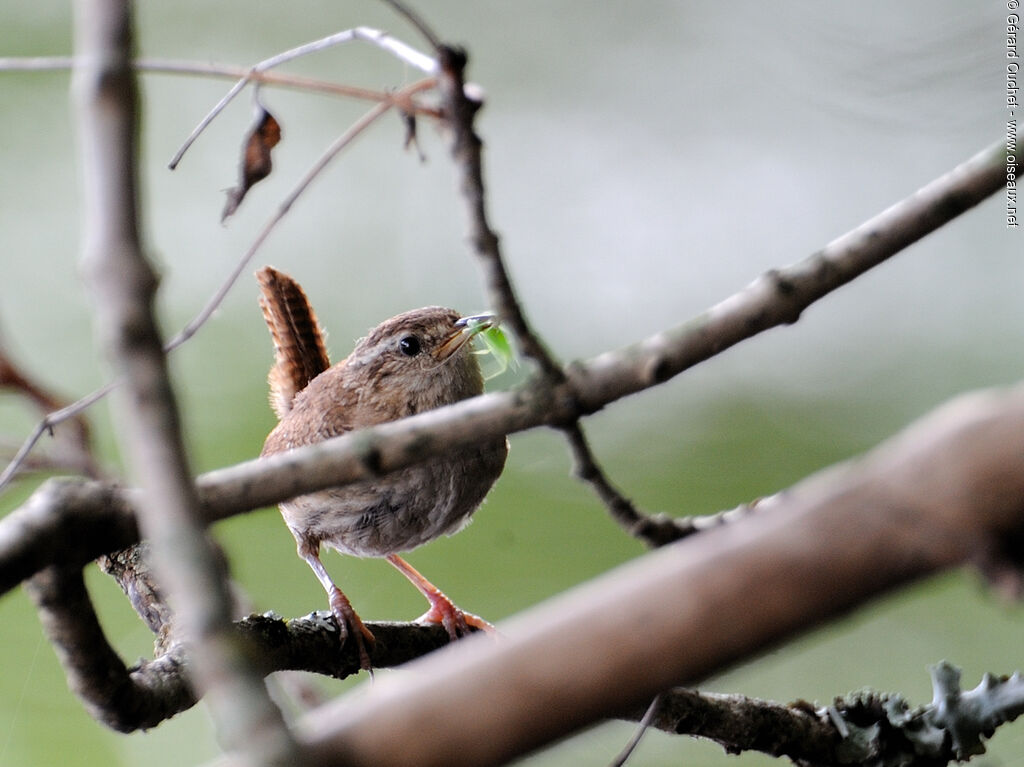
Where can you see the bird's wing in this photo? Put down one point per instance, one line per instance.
(299, 351)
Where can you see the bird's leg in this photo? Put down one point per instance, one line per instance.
(442, 609)
(349, 624)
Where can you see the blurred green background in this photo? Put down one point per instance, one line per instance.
(644, 161)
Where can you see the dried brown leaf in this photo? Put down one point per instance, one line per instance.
(256, 163)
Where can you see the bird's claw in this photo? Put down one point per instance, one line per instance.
(456, 622)
(351, 625)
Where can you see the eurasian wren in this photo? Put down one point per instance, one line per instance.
(413, 362)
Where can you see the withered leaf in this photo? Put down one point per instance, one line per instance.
(256, 164)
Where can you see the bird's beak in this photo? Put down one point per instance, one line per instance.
(465, 329)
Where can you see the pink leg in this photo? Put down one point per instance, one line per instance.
(349, 624)
(442, 609)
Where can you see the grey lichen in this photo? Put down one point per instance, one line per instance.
(882, 730)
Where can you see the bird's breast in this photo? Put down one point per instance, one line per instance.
(388, 515)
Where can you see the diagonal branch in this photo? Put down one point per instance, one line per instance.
(854, 729)
(653, 529)
(29, 535)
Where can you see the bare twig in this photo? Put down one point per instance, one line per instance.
(325, 159)
(124, 284)
(60, 459)
(46, 425)
(417, 21)
(654, 530)
(641, 728)
(78, 452)
(381, 39)
(779, 296)
(221, 71)
(738, 723)
(460, 110)
(121, 698)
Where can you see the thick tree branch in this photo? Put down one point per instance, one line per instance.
(68, 522)
(949, 490)
(123, 284)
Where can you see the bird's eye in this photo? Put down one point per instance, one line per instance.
(410, 346)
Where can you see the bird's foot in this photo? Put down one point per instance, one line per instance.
(351, 625)
(456, 622)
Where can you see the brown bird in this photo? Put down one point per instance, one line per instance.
(413, 362)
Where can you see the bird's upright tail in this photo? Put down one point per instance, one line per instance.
(299, 351)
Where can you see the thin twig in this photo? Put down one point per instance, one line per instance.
(654, 530)
(460, 111)
(46, 425)
(417, 21)
(77, 440)
(638, 733)
(228, 72)
(382, 39)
